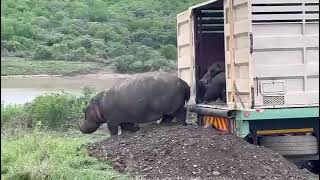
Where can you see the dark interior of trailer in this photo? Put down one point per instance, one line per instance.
(209, 40)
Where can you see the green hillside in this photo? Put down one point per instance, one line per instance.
(132, 35)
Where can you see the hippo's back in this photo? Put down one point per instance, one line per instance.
(150, 95)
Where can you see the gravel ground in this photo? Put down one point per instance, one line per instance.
(192, 152)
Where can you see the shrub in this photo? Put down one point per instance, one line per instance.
(14, 116)
(169, 51)
(56, 111)
(42, 53)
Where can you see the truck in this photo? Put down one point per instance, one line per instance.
(271, 54)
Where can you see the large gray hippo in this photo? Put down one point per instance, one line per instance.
(142, 98)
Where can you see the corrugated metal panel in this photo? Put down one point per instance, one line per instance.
(286, 48)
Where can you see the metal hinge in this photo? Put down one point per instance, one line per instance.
(251, 43)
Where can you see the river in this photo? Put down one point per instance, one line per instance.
(22, 89)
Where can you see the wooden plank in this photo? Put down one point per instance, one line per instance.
(185, 61)
(284, 8)
(280, 71)
(260, 17)
(239, 2)
(313, 69)
(311, 16)
(183, 40)
(242, 56)
(242, 85)
(227, 30)
(285, 42)
(184, 16)
(276, 8)
(242, 26)
(312, 8)
(276, 16)
(231, 49)
(282, 1)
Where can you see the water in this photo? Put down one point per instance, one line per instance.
(22, 89)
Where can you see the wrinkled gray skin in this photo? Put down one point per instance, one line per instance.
(143, 98)
(213, 70)
(216, 89)
(214, 82)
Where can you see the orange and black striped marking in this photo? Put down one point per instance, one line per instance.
(218, 122)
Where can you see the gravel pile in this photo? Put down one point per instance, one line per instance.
(192, 152)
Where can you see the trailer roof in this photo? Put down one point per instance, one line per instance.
(202, 4)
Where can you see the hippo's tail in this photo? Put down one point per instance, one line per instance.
(187, 91)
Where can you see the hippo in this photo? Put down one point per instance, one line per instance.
(216, 89)
(214, 83)
(213, 70)
(143, 98)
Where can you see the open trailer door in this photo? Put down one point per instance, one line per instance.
(238, 38)
(185, 50)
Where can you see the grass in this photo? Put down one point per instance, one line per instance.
(52, 155)
(34, 146)
(20, 66)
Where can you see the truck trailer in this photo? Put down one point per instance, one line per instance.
(271, 54)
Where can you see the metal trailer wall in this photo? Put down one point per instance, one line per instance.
(285, 54)
(271, 52)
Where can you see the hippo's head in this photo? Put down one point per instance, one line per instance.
(93, 116)
(213, 70)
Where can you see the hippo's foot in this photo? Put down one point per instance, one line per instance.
(181, 116)
(113, 130)
(166, 119)
(129, 127)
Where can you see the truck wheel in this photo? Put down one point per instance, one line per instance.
(291, 145)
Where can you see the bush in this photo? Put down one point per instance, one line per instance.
(169, 51)
(14, 116)
(56, 111)
(42, 53)
(141, 58)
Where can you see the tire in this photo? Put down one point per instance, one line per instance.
(291, 145)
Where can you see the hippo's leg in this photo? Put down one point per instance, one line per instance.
(129, 127)
(167, 119)
(223, 95)
(210, 94)
(113, 129)
(181, 115)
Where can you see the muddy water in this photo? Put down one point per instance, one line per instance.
(22, 89)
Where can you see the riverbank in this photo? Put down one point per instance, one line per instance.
(11, 66)
(41, 140)
(19, 89)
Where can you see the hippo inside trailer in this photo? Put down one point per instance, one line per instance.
(271, 54)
